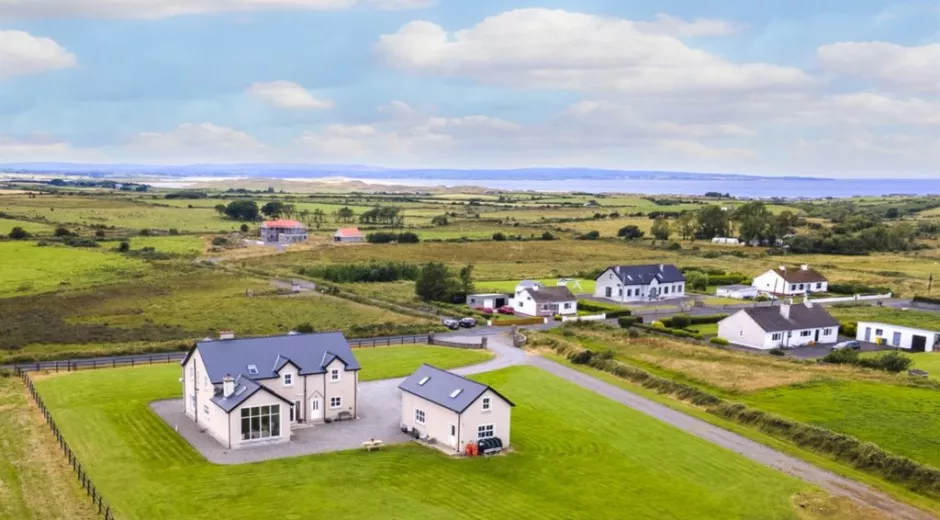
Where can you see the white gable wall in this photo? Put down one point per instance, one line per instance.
(437, 419)
(474, 416)
(740, 329)
(772, 282)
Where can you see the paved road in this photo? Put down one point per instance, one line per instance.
(832, 483)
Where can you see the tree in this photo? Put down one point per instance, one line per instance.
(696, 280)
(630, 232)
(440, 220)
(99, 233)
(590, 235)
(548, 236)
(435, 283)
(319, 217)
(244, 228)
(345, 214)
(713, 222)
(466, 279)
(660, 229)
(408, 238)
(62, 232)
(754, 221)
(220, 209)
(499, 236)
(273, 209)
(783, 223)
(685, 225)
(124, 247)
(243, 210)
(18, 233)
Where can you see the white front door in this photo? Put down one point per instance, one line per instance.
(452, 435)
(316, 409)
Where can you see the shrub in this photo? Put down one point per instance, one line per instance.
(891, 362)
(145, 232)
(174, 231)
(849, 328)
(18, 233)
(62, 232)
(927, 299)
(629, 232)
(499, 237)
(305, 328)
(380, 237)
(124, 247)
(680, 321)
(658, 325)
(371, 272)
(844, 356)
(220, 241)
(590, 235)
(617, 314)
(776, 352)
(855, 288)
(719, 341)
(633, 333)
(674, 246)
(626, 322)
(408, 238)
(548, 236)
(99, 233)
(73, 241)
(582, 358)
(243, 228)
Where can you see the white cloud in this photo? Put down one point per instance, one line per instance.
(874, 109)
(150, 9)
(702, 151)
(22, 53)
(286, 94)
(195, 142)
(44, 148)
(888, 64)
(565, 50)
(667, 24)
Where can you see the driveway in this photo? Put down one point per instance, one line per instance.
(818, 351)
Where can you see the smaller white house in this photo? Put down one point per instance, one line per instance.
(640, 283)
(726, 241)
(791, 281)
(738, 292)
(487, 301)
(453, 411)
(783, 326)
(534, 299)
(348, 235)
(915, 340)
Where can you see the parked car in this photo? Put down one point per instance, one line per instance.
(486, 310)
(505, 309)
(468, 322)
(451, 323)
(853, 345)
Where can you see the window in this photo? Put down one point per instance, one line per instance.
(419, 416)
(793, 287)
(827, 332)
(485, 431)
(806, 333)
(192, 402)
(567, 305)
(666, 290)
(334, 375)
(336, 402)
(253, 370)
(879, 332)
(776, 336)
(486, 404)
(620, 292)
(205, 409)
(801, 287)
(819, 285)
(205, 381)
(261, 422)
(288, 379)
(455, 393)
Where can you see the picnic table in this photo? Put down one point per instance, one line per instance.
(373, 444)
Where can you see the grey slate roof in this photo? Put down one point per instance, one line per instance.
(736, 287)
(441, 384)
(244, 388)
(552, 294)
(801, 317)
(311, 353)
(645, 274)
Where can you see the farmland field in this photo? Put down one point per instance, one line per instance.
(33, 228)
(618, 453)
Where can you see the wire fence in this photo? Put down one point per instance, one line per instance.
(91, 490)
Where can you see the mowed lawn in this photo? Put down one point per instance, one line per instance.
(577, 455)
(28, 268)
(398, 361)
(900, 419)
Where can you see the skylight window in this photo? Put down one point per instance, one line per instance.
(241, 390)
(253, 369)
(424, 380)
(455, 393)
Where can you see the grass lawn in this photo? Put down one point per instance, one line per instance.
(904, 420)
(613, 459)
(929, 361)
(705, 328)
(28, 268)
(909, 318)
(186, 245)
(7, 225)
(389, 362)
(35, 480)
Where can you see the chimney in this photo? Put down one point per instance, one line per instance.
(226, 334)
(660, 267)
(228, 385)
(804, 267)
(785, 310)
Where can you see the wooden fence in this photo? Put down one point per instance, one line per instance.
(91, 490)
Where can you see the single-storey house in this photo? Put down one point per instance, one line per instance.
(534, 299)
(348, 235)
(453, 410)
(780, 326)
(283, 231)
(487, 301)
(638, 283)
(244, 392)
(909, 338)
(784, 281)
(726, 241)
(738, 292)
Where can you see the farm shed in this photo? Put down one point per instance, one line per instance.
(740, 292)
(487, 301)
(908, 338)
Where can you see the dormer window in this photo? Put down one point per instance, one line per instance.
(334, 375)
(253, 369)
(288, 379)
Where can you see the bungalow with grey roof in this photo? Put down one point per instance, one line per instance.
(245, 392)
(640, 283)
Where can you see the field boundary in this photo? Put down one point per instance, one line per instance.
(104, 509)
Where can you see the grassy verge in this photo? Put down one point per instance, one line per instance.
(35, 481)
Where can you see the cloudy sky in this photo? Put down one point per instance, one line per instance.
(842, 88)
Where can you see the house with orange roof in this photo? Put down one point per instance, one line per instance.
(348, 235)
(283, 232)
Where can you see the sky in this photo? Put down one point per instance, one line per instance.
(841, 88)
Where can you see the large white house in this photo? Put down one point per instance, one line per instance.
(909, 338)
(639, 283)
(534, 299)
(245, 392)
(283, 231)
(790, 281)
(782, 326)
(452, 410)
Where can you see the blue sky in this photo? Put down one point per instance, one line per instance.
(846, 89)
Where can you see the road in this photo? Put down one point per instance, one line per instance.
(832, 483)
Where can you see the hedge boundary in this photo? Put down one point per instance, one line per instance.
(865, 456)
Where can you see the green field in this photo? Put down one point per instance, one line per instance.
(928, 361)
(28, 268)
(179, 245)
(33, 228)
(35, 480)
(903, 420)
(614, 459)
(908, 318)
(389, 362)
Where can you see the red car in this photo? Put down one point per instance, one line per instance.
(505, 309)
